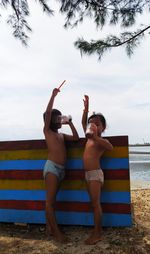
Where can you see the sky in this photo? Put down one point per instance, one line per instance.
(117, 86)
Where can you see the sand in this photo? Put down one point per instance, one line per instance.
(30, 239)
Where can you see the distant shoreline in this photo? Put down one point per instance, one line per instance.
(138, 152)
(136, 145)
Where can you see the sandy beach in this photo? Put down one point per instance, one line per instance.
(31, 239)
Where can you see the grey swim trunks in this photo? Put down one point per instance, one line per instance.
(96, 175)
(56, 169)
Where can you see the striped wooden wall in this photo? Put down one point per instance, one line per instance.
(22, 194)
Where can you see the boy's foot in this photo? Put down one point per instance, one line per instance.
(49, 231)
(93, 239)
(59, 237)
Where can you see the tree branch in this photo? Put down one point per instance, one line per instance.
(132, 38)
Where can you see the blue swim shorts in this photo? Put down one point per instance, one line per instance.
(56, 169)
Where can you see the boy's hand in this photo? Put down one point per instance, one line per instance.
(55, 92)
(68, 120)
(86, 102)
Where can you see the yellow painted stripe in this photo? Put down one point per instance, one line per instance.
(24, 154)
(109, 185)
(75, 152)
(117, 152)
(117, 185)
(73, 185)
(41, 154)
(22, 185)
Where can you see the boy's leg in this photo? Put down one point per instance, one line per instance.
(52, 184)
(94, 189)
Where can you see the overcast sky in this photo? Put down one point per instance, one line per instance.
(117, 86)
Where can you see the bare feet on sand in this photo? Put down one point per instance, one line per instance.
(94, 238)
(59, 237)
(49, 232)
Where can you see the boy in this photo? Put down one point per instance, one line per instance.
(94, 148)
(54, 167)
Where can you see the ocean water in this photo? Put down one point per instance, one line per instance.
(139, 158)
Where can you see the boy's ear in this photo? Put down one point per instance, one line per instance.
(103, 129)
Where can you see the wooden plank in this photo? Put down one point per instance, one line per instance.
(109, 185)
(23, 144)
(21, 174)
(66, 218)
(41, 144)
(70, 174)
(65, 195)
(22, 188)
(41, 154)
(63, 206)
(106, 163)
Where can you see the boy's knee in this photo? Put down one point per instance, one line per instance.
(95, 205)
(50, 203)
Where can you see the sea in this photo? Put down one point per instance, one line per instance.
(139, 159)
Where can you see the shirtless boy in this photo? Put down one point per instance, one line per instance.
(54, 171)
(94, 148)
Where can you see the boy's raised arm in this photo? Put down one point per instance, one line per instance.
(85, 112)
(74, 136)
(47, 114)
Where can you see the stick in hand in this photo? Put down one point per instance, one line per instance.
(61, 84)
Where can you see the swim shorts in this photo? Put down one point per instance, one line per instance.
(54, 168)
(96, 175)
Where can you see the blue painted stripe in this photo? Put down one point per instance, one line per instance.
(22, 164)
(66, 218)
(116, 197)
(108, 220)
(106, 163)
(115, 163)
(22, 195)
(64, 195)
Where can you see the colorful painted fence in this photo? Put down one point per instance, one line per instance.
(22, 191)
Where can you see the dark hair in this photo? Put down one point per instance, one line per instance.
(54, 113)
(100, 116)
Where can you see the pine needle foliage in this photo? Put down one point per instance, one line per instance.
(123, 13)
(18, 18)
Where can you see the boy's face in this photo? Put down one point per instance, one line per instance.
(96, 120)
(56, 121)
(93, 128)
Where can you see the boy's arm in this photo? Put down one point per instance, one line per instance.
(74, 136)
(49, 110)
(85, 112)
(103, 143)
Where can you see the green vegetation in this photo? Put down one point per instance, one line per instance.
(121, 13)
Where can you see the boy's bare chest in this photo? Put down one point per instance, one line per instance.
(55, 139)
(93, 146)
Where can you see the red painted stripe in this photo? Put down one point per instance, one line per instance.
(64, 206)
(23, 145)
(21, 174)
(74, 174)
(117, 174)
(86, 207)
(118, 140)
(121, 174)
(41, 144)
(114, 140)
(80, 143)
